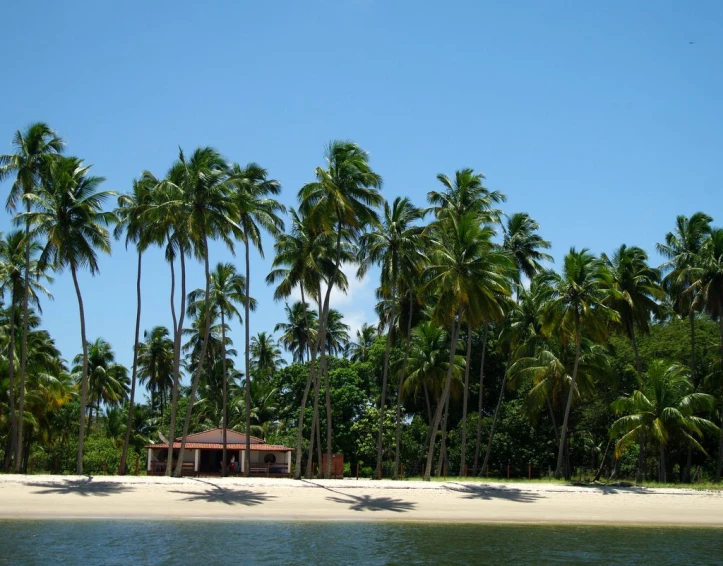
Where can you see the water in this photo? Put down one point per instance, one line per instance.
(52, 543)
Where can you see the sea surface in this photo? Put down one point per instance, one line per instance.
(56, 542)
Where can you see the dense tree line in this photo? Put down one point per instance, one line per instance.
(484, 356)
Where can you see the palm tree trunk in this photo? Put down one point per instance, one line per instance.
(385, 376)
(224, 471)
(563, 433)
(641, 457)
(314, 425)
(691, 317)
(634, 342)
(494, 423)
(443, 446)
(134, 372)
(177, 328)
(478, 440)
(10, 452)
(429, 405)
(552, 415)
(402, 378)
(443, 400)
(247, 383)
(304, 398)
(84, 374)
(199, 367)
(661, 465)
(24, 347)
(602, 462)
(463, 442)
(719, 467)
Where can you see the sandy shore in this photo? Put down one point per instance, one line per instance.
(54, 497)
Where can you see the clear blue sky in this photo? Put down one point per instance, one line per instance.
(600, 119)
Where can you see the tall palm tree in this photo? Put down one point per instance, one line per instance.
(132, 219)
(67, 215)
(708, 289)
(465, 194)
(343, 198)
(665, 407)
(394, 241)
(337, 333)
(634, 292)
(578, 303)
(35, 148)
(682, 248)
(207, 191)
(365, 337)
(13, 252)
(525, 244)
(155, 364)
(227, 290)
(303, 256)
(256, 212)
(296, 336)
(469, 276)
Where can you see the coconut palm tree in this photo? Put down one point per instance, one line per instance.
(634, 292)
(107, 381)
(303, 256)
(466, 194)
(200, 209)
(682, 248)
(67, 215)
(525, 244)
(255, 212)
(13, 251)
(266, 357)
(578, 304)
(389, 243)
(35, 148)
(663, 408)
(133, 221)
(227, 290)
(708, 290)
(469, 276)
(296, 337)
(337, 333)
(343, 199)
(155, 365)
(365, 337)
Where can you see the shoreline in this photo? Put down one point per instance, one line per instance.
(141, 498)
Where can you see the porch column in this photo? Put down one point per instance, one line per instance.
(288, 462)
(243, 460)
(196, 459)
(148, 465)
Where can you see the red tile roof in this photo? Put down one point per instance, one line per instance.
(219, 446)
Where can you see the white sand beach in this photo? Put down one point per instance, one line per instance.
(55, 497)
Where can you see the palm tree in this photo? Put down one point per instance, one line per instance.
(664, 408)
(155, 364)
(681, 249)
(12, 264)
(635, 289)
(522, 241)
(200, 209)
(365, 337)
(296, 337)
(342, 199)
(256, 211)
(67, 214)
(708, 289)
(265, 355)
(35, 148)
(466, 194)
(390, 243)
(132, 219)
(469, 276)
(337, 333)
(107, 380)
(226, 291)
(578, 303)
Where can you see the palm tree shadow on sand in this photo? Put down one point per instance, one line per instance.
(218, 494)
(487, 492)
(84, 487)
(367, 502)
